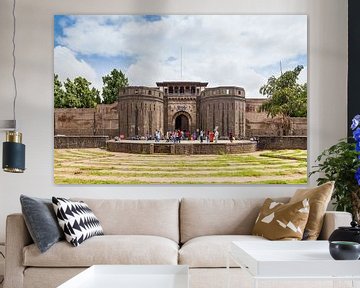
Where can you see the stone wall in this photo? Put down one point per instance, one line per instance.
(80, 141)
(102, 120)
(258, 124)
(141, 114)
(181, 149)
(130, 147)
(285, 142)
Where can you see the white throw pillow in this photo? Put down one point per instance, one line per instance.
(77, 220)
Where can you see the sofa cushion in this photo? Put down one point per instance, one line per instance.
(77, 220)
(200, 217)
(41, 221)
(107, 249)
(158, 217)
(211, 251)
(279, 221)
(319, 198)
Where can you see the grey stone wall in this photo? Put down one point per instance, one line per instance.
(258, 124)
(181, 149)
(102, 120)
(279, 143)
(80, 141)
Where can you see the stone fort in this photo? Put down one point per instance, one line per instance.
(172, 105)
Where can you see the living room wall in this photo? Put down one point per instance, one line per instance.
(327, 70)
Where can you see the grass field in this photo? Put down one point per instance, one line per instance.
(97, 166)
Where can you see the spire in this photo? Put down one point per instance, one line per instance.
(181, 63)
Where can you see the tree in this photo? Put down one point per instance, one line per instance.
(59, 92)
(111, 85)
(286, 97)
(78, 94)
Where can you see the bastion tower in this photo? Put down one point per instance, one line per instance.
(223, 108)
(141, 111)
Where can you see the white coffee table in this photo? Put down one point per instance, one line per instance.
(131, 276)
(293, 260)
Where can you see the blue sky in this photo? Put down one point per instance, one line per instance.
(240, 50)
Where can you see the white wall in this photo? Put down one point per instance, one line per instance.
(327, 22)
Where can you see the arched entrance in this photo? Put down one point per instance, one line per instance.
(182, 122)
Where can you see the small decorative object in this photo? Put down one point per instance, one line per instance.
(341, 163)
(344, 233)
(344, 250)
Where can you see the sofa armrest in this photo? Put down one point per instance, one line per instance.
(17, 237)
(333, 220)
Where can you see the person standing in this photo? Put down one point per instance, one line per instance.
(216, 136)
(158, 136)
(201, 136)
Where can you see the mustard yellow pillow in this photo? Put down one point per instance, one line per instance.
(319, 198)
(279, 221)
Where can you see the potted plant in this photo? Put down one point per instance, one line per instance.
(341, 163)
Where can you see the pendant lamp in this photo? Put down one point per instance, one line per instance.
(13, 149)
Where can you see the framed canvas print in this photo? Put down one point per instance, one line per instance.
(180, 99)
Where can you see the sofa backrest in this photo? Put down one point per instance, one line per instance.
(200, 217)
(159, 217)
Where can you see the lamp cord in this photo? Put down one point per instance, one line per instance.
(14, 60)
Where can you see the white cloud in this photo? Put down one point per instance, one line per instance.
(66, 65)
(219, 49)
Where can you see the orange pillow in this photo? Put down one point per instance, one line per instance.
(319, 198)
(279, 221)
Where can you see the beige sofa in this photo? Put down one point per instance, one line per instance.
(194, 232)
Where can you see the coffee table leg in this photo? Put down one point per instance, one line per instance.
(255, 283)
(228, 270)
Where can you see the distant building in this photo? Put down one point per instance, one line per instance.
(172, 105)
(187, 106)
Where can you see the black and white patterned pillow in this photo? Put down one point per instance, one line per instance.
(77, 220)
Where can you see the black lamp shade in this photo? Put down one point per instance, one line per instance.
(13, 157)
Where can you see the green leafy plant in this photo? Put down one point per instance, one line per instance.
(285, 98)
(339, 163)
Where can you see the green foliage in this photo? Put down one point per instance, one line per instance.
(111, 85)
(76, 94)
(59, 93)
(79, 94)
(286, 98)
(339, 163)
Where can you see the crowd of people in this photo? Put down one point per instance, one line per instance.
(177, 135)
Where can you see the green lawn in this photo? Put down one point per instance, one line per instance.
(97, 166)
